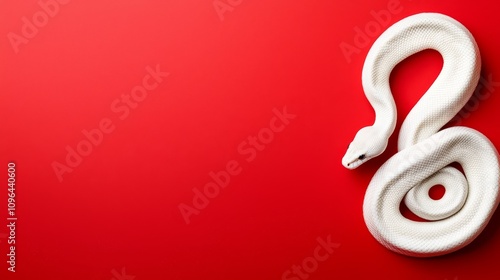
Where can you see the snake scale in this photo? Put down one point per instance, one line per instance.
(425, 149)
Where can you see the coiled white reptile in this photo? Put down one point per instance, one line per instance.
(425, 151)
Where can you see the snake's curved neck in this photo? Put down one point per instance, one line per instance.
(385, 113)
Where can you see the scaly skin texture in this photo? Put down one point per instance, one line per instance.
(424, 150)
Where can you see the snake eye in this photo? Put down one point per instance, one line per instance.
(361, 157)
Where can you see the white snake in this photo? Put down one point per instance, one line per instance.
(425, 151)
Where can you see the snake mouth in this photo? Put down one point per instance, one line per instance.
(354, 158)
(353, 164)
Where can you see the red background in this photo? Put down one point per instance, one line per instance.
(119, 208)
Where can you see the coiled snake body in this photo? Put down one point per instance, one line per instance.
(425, 151)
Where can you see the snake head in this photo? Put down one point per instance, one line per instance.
(366, 145)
